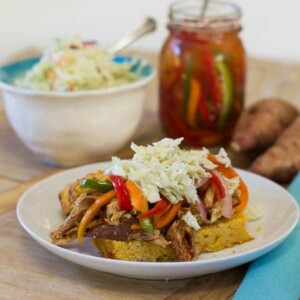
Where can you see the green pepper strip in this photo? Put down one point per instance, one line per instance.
(187, 84)
(101, 186)
(227, 89)
(146, 225)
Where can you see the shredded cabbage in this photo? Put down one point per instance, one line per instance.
(70, 65)
(223, 158)
(164, 168)
(191, 220)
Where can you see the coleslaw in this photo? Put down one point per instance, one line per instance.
(72, 65)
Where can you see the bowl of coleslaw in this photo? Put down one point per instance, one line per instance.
(77, 103)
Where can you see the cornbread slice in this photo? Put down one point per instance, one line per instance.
(134, 250)
(223, 234)
(210, 238)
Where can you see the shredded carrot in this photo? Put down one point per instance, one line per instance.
(168, 216)
(92, 211)
(193, 101)
(231, 173)
(62, 61)
(138, 200)
(71, 86)
(52, 77)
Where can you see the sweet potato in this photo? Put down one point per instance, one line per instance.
(281, 161)
(261, 124)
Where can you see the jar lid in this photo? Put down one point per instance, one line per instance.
(217, 15)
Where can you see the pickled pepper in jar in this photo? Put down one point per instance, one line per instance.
(202, 73)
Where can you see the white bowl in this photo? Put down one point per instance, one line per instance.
(72, 128)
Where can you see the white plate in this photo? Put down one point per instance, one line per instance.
(39, 212)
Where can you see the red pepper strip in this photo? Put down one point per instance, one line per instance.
(122, 192)
(212, 80)
(217, 184)
(158, 208)
(205, 114)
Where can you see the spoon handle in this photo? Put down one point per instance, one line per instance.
(146, 26)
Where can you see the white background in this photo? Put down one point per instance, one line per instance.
(271, 28)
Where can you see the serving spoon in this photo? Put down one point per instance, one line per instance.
(146, 26)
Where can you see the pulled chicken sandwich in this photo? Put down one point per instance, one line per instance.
(165, 204)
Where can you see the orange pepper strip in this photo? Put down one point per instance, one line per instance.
(167, 217)
(138, 200)
(135, 226)
(157, 216)
(92, 211)
(231, 173)
(193, 103)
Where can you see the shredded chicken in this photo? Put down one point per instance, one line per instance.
(61, 235)
(68, 196)
(216, 212)
(183, 240)
(113, 212)
(209, 197)
(156, 237)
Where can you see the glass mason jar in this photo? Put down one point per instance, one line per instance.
(202, 73)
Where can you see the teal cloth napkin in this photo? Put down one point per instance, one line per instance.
(276, 275)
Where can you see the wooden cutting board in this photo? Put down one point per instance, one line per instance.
(29, 271)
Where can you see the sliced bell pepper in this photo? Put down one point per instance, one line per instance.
(101, 186)
(212, 81)
(192, 89)
(146, 225)
(227, 89)
(229, 173)
(122, 192)
(92, 211)
(164, 219)
(155, 217)
(138, 200)
(193, 102)
(158, 208)
(217, 184)
(205, 114)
